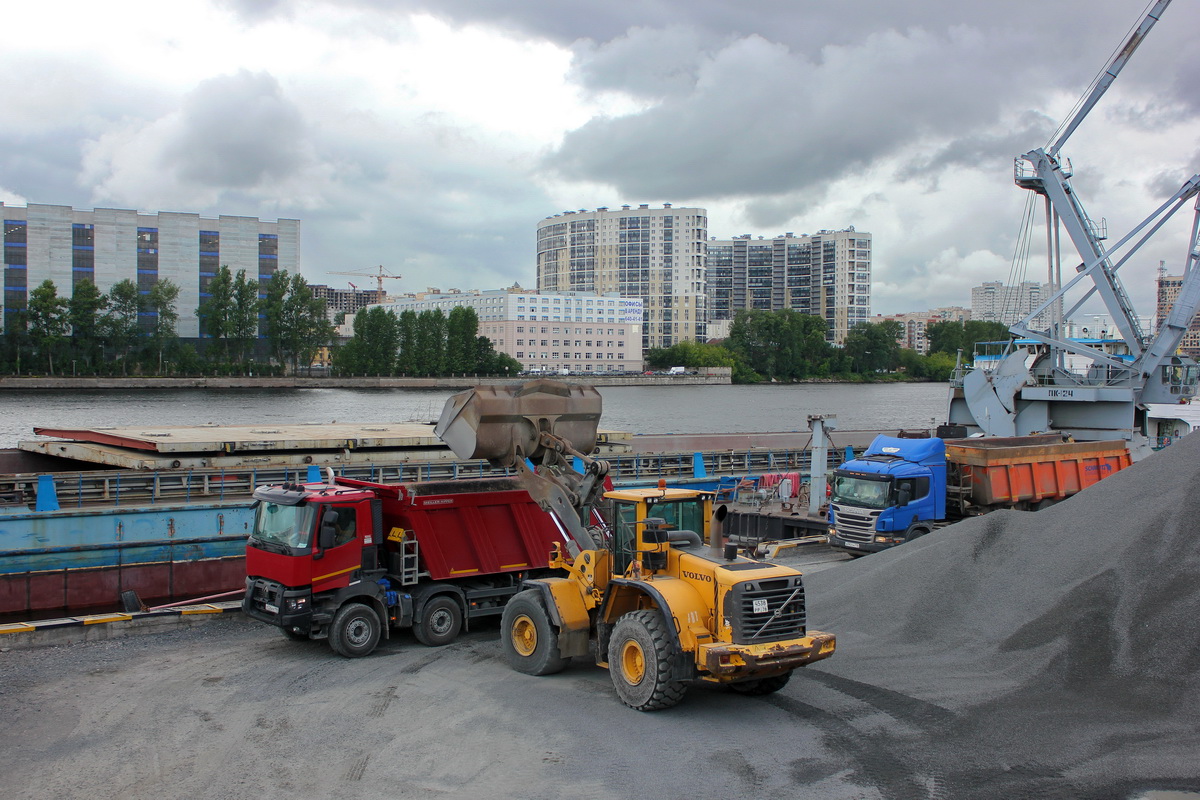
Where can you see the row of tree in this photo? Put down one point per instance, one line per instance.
(425, 343)
(130, 331)
(786, 346)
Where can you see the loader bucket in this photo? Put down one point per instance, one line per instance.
(503, 423)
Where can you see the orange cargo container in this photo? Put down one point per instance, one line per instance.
(1027, 471)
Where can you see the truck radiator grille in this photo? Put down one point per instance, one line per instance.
(855, 524)
(766, 610)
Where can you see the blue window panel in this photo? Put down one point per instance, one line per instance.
(147, 272)
(267, 256)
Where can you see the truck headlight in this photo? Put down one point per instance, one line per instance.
(296, 603)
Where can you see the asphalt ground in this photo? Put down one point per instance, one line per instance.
(231, 709)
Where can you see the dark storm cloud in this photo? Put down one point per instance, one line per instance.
(237, 131)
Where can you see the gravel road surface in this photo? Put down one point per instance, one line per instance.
(1048, 655)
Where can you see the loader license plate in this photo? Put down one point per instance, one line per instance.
(760, 605)
(853, 544)
(274, 609)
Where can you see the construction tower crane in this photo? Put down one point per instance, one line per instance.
(1088, 388)
(378, 275)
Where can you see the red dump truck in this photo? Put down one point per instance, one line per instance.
(902, 488)
(348, 560)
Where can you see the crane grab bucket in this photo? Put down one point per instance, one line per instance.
(505, 423)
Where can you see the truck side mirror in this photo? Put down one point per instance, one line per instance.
(327, 534)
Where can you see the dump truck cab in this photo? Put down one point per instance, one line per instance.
(894, 492)
(308, 541)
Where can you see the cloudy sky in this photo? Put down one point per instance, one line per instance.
(430, 136)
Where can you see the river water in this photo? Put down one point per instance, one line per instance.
(639, 409)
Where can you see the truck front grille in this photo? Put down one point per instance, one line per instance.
(766, 610)
(855, 524)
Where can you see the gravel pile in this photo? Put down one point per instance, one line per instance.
(1068, 638)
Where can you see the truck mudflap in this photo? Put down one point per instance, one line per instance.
(726, 662)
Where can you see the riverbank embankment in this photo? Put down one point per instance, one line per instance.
(301, 382)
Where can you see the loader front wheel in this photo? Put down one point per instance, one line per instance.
(639, 658)
(529, 641)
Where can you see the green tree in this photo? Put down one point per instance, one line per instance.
(216, 312)
(873, 347)
(372, 349)
(295, 320)
(950, 337)
(407, 361)
(429, 343)
(163, 296)
(86, 314)
(49, 321)
(462, 326)
(120, 320)
(243, 320)
(778, 344)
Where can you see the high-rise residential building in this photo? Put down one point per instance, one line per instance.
(655, 255)
(109, 245)
(826, 274)
(913, 336)
(546, 331)
(993, 301)
(1168, 290)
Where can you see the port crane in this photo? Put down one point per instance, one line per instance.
(379, 274)
(1043, 380)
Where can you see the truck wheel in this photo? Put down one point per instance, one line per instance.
(761, 686)
(295, 635)
(529, 641)
(355, 630)
(639, 658)
(441, 622)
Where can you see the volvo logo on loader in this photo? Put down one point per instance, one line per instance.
(697, 576)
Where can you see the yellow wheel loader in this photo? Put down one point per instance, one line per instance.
(649, 587)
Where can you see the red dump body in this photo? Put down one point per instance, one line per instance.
(465, 527)
(1026, 470)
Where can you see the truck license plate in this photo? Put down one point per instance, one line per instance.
(274, 609)
(760, 605)
(853, 544)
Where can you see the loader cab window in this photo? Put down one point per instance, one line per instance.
(624, 541)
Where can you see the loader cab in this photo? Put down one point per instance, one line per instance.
(680, 509)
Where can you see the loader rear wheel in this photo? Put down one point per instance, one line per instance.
(761, 686)
(440, 622)
(529, 641)
(355, 630)
(639, 658)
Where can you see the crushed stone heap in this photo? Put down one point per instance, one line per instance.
(1067, 639)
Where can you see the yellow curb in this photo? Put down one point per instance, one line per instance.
(98, 618)
(16, 627)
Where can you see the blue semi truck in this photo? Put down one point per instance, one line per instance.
(902, 488)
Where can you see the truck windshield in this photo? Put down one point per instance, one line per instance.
(862, 492)
(289, 526)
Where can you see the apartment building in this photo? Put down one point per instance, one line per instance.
(654, 255)
(915, 323)
(1168, 287)
(826, 274)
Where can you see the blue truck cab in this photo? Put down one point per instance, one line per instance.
(893, 493)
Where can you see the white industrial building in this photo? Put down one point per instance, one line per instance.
(576, 331)
(108, 245)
